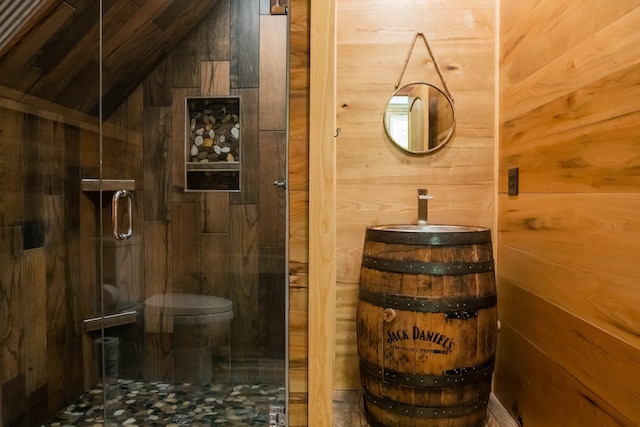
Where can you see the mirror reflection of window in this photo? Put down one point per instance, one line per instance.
(398, 120)
(417, 124)
(419, 118)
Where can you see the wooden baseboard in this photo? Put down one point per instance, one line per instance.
(500, 414)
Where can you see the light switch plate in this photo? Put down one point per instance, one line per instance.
(513, 182)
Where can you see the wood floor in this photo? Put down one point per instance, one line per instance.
(348, 412)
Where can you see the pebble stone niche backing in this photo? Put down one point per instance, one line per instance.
(137, 403)
(213, 144)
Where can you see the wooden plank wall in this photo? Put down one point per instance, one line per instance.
(48, 226)
(42, 297)
(376, 182)
(298, 181)
(568, 243)
(230, 245)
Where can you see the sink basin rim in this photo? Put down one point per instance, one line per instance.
(430, 234)
(429, 228)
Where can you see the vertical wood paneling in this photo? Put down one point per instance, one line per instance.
(244, 51)
(33, 194)
(216, 267)
(272, 198)
(185, 240)
(35, 337)
(157, 86)
(11, 297)
(158, 278)
(244, 269)
(249, 147)
(567, 276)
(55, 263)
(56, 368)
(72, 179)
(322, 214)
(221, 78)
(215, 213)
(273, 72)
(297, 183)
(214, 38)
(54, 167)
(244, 259)
(89, 249)
(158, 362)
(157, 173)
(272, 295)
(89, 278)
(299, 138)
(10, 163)
(127, 274)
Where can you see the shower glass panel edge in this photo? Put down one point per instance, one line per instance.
(250, 374)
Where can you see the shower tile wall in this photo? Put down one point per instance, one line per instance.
(229, 245)
(222, 244)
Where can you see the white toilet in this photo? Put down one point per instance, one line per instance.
(199, 328)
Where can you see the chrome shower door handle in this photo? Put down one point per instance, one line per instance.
(115, 214)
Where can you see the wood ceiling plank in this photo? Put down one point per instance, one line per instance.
(33, 36)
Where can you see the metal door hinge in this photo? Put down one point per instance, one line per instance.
(277, 416)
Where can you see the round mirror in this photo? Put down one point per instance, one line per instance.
(419, 118)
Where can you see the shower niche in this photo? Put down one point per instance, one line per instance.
(212, 143)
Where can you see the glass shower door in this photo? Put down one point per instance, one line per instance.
(194, 300)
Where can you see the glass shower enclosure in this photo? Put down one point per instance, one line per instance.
(143, 214)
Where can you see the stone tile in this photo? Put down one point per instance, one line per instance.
(137, 403)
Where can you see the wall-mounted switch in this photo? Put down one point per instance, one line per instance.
(513, 182)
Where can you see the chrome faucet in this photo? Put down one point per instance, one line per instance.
(423, 202)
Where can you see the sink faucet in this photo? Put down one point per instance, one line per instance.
(423, 201)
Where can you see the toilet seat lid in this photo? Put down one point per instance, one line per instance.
(190, 304)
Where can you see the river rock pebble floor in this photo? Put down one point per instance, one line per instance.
(137, 403)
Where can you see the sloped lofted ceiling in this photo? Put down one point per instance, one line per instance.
(54, 53)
